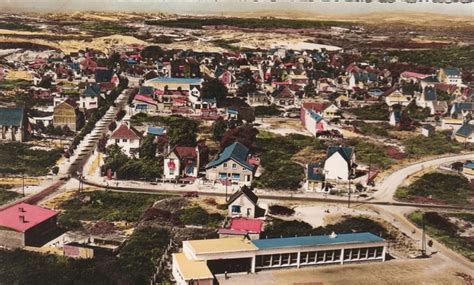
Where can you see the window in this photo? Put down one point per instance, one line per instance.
(222, 175)
(303, 258)
(117, 140)
(347, 254)
(294, 258)
(320, 257)
(225, 164)
(124, 140)
(235, 209)
(131, 141)
(312, 257)
(363, 253)
(234, 166)
(337, 255)
(371, 253)
(235, 176)
(285, 258)
(355, 254)
(171, 171)
(276, 259)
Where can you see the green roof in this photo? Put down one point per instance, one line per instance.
(235, 151)
(11, 116)
(465, 130)
(345, 152)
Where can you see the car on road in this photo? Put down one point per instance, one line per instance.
(190, 194)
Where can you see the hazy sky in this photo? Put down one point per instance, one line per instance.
(210, 6)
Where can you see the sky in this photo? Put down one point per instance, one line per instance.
(210, 6)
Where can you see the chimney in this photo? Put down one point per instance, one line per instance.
(22, 219)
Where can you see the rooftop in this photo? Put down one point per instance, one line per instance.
(11, 116)
(308, 241)
(33, 215)
(192, 81)
(124, 132)
(247, 225)
(221, 245)
(236, 151)
(192, 269)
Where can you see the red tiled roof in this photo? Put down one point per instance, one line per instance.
(145, 99)
(124, 132)
(416, 75)
(186, 152)
(318, 107)
(248, 225)
(33, 215)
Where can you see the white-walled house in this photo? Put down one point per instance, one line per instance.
(127, 139)
(244, 203)
(89, 99)
(339, 163)
(181, 161)
(450, 75)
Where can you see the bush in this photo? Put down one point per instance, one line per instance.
(377, 112)
(16, 158)
(199, 216)
(281, 210)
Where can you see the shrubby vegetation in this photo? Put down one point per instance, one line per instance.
(370, 153)
(16, 158)
(438, 226)
(439, 187)
(200, 217)
(109, 206)
(371, 129)
(378, 112)
(281, 210)
(280, 172)
(251, 23)
(6, 196)
(280, 228)
(439, 143)
(140, 254)
(267, 111)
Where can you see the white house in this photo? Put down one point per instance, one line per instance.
(339, 163)
(449, 75)
(397, 97)
(313, 122)
(89, 99)
(243, 203)
(181, 161)
(127, 139)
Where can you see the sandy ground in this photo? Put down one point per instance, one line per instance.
(428, 271)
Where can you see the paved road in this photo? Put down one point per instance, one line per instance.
(387, 188)
(89, 143)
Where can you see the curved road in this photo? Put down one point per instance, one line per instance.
(388, 186)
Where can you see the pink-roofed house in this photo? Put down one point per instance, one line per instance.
(26, 225)
(145, 104)
(242, 227)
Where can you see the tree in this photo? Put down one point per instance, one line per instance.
(148, 148)
(214, 89)
(102, 144)
(152, 52)
(182, 131)
(219, 128)
(246, 135)
(310, 90)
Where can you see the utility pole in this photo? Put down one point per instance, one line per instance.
(23, 182)
(349, 194)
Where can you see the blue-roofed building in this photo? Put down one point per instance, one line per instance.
(450, 75)
(315, 178)
(461, 109)
(156, 131)
(172, 83)
(468, 168)
(232, 164)
(13, 124)
(340, 163)
(235, 255)
(465, 134)
(89, 98)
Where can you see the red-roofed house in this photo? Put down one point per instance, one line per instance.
(24, 224)
(145, 104)
(242, 227)
(181, 161)
(127, 139)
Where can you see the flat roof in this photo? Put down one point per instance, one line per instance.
(192, 269)
(308, 241)
(221, 245)
(32, 216)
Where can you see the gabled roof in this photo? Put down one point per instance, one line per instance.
(462, 106)
(11, 116)
(103, 75)
(465, 130)
(315, 172)
(124, 132)
(32, 216)
(92, 91)
(244, 191)
(315, 116)
(408, 74)
(186, 152)
(345, 152)
(235, 151)
(452, 71)
(429, 94)
(145, 99)
(283, 92)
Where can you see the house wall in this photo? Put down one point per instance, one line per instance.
(12, 133)
(127, 146)
(179, 278)
(11, 239)
(336, 166)
(246, 175)
(65, 115)
(40, 231)
(314, 186)
(167, 172)
(461, 139)
(247, 208)
(88, 102)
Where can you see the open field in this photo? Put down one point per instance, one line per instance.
(428, 271)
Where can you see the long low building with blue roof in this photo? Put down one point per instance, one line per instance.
(234, 255)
